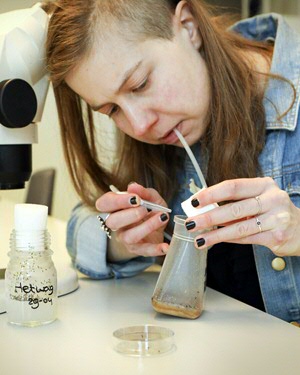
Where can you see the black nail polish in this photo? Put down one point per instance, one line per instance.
(200, 242)
(163, 217)
(190, 225)
(133, 200)
(195, 202)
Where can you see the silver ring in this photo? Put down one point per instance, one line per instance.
(258, 223)
(257, 198)
(103, 226)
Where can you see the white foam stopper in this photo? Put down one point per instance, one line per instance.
(30, 217)
(194, 211)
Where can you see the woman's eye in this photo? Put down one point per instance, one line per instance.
(141, 86)
(114, 109)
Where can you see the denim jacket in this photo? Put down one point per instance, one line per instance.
(280, 160)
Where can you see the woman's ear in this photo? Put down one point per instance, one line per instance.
(183, 17)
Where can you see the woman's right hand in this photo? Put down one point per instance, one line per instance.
(140, 232)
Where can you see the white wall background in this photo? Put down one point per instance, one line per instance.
(289, 8)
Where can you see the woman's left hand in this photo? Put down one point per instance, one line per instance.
(258, 213)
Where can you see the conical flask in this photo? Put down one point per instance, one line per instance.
(180, 288)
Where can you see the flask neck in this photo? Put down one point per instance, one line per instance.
(180, 231)
(30, 241)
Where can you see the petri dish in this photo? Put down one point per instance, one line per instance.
(142, 341)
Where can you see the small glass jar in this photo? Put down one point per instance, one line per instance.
(30, 279)
(180, 288)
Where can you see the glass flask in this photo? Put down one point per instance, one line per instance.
(180, 288)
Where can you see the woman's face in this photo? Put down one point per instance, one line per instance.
(150, 87)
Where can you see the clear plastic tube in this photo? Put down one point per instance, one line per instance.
(192, 157)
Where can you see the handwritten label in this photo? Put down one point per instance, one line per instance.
(35, 302)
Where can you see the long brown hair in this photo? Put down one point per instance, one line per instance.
(235, 135)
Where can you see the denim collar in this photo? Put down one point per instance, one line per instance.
(285, 62)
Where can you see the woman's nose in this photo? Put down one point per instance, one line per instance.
(140, 118)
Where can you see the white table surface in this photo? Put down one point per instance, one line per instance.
(229, 338)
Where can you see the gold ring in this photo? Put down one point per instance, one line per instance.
(259, 205)
(258, 223)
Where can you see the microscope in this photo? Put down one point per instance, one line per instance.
(23, 89)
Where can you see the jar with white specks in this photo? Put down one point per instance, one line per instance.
(30, 277)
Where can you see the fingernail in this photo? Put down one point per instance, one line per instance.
(133, 200)
(195, 202)
(163, 217)
(131, 182)
(200, 242)
(190, 225)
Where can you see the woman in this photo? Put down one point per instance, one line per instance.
(158, 65)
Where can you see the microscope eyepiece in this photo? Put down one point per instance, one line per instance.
(18, 103)
(18, 106)
(15, 166)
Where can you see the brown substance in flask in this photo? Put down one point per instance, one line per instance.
(177, 310)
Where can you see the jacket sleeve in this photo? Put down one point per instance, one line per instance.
(87, 246)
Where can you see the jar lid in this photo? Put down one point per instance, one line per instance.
(30, 217)
(30, 223)
(144, 340)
